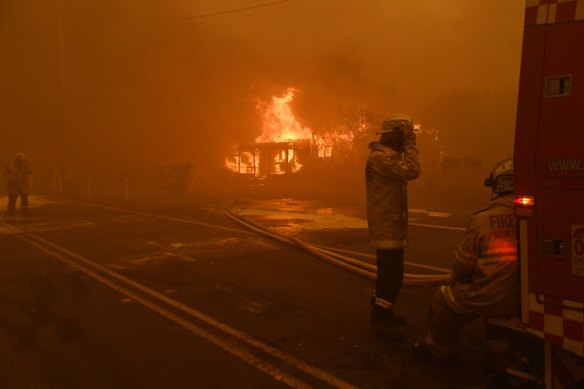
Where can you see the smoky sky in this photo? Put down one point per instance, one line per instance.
(102, 84)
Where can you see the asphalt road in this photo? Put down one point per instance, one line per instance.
(149, 295)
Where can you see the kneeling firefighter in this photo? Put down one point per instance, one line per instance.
(484, 280)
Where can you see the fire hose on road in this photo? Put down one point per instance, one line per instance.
(332, 256)
(364, 269)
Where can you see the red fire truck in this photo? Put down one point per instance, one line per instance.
(549, 186)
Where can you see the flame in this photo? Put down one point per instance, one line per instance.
(293, 162)
(278, 121)
(278, 125)
(433, 133)
(246, 162)
(284, 144)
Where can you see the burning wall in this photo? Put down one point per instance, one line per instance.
(285, 146)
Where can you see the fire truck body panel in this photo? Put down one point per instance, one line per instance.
(549, 170)
(560, 132)
(559, 265)
(532, 59)
(549, 152)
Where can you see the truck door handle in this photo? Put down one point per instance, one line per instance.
(551, 246)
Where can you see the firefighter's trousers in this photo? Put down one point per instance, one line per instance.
(444, 325)
(12, 198)
(390, 274)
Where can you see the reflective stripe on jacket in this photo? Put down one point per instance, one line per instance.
(387, 173)
(484, 278)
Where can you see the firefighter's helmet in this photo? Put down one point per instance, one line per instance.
(501, 178)
(396, 122)
(20, 157)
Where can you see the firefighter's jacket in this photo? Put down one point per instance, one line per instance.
(484, 277)
(17, 178)
(387, 174)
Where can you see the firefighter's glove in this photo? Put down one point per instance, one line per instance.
(409, 136)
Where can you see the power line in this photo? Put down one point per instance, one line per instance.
(200, 16)
(218, 13)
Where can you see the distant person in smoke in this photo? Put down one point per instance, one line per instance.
(17, 177)
(392, 162)
(484, 280)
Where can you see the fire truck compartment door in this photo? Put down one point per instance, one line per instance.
(560, 243)
(559, 144)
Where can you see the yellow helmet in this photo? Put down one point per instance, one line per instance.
(501, 177)
(396, 122)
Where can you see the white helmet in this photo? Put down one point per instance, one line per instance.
(396, 122)
(501, 177)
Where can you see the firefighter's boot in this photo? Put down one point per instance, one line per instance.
(422, 350)
(386, 324)
(382, 309)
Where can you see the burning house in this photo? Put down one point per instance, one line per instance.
(286, 147)
(281, 147)
(263, 159)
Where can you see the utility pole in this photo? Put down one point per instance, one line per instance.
(58, 177)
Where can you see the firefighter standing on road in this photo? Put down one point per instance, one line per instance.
(17, 183)
(393, 161)
(484, 278)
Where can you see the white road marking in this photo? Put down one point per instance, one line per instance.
(171, 218)
(430, 213)
(439, 214)
(84, 265)
(31, 225)
(438, 227)
(413, 264)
